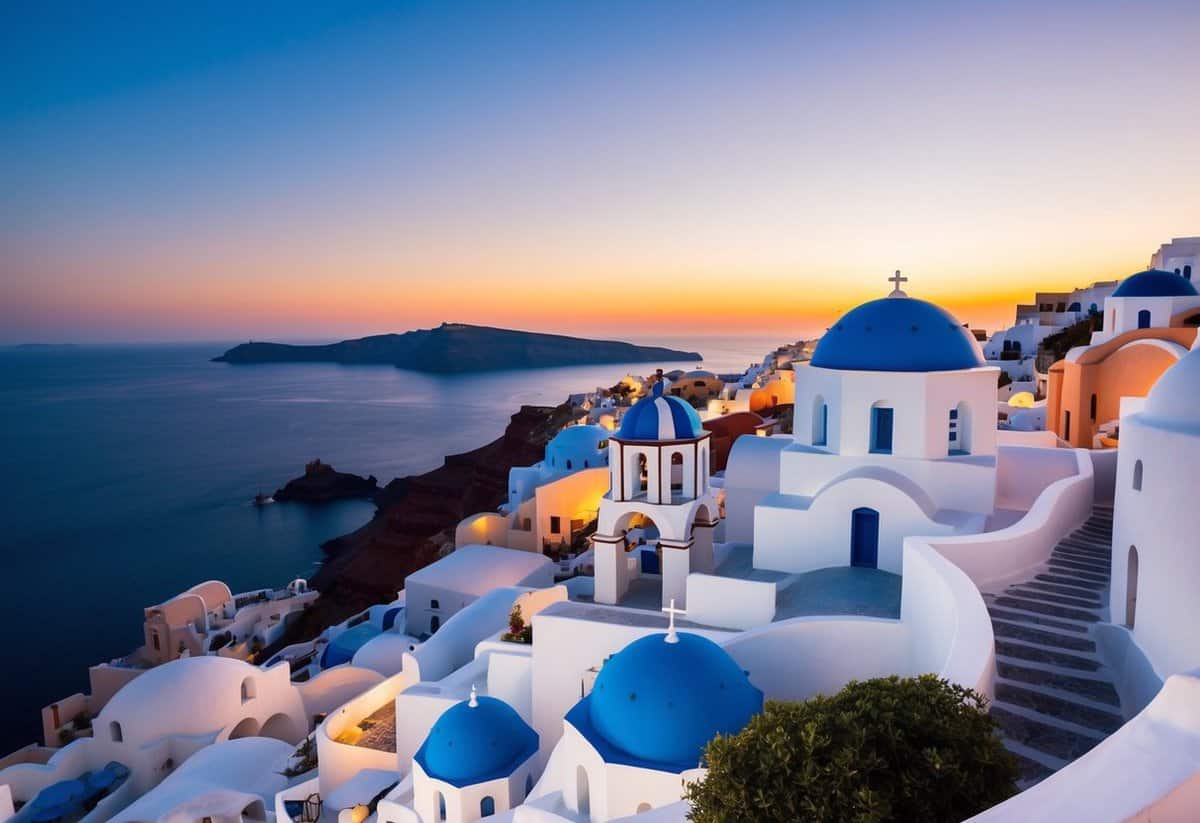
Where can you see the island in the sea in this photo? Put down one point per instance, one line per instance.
(453, 348)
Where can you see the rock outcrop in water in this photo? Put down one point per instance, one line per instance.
(320, 483)
(454, 348)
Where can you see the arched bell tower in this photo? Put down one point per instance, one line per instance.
(659, 467)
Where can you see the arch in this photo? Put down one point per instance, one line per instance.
(677, 471)
(642, 479)
(569, 467)
(281, 727)
(583, 802)
(959, 436)
(820, 421)
(1143, 319)
(882, 425)
(248, 690)
(246, 727)
(1131, 584)
(487, 806)
(439, 803)
(1137, 475)
(255, 810)
(643, 807)
(115, 733)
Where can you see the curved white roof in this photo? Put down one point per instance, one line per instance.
(1174, 401)
(178, 697)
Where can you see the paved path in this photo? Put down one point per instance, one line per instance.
(1054, 697)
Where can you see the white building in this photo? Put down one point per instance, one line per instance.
(1148, 299)
(551, 502)
(1156, 527)
(437, 592)
(1181, 256)
(895, 435)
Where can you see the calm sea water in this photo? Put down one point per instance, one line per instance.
(128, 473)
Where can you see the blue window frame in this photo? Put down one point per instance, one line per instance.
(882, 419)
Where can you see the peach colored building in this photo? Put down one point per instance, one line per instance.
(1151, 321)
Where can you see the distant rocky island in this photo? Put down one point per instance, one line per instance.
(454, 348)
(321, 483)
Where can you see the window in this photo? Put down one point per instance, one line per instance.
(677, 472)
(1131, 584)
(433, 604)
(820, 422)
(1144, 319)
(569, 467)
(247, 689)
(699, 384)
(439, 800)
(1137, 476)
(114, 731)
(434, 623)
(1092, 408)
(487, 806)
(881, 429)
(603, 444)
(154, 640)
(1067, 426)
(1187, 272)
(555, 525)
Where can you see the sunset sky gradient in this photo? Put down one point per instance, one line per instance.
(622, 168)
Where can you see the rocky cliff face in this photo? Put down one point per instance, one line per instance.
(417, 515)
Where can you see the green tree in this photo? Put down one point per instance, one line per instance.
(888, 749)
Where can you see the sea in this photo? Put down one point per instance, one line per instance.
(129, 473)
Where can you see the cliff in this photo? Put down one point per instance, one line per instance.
(453, 348)
(416, 516)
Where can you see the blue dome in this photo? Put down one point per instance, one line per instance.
(1155, 283)
(660, 703)
(897, 334)
(578, 447)
(472, 744)
(656, 417)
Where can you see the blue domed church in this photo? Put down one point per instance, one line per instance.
(643, 728)
(894, 434)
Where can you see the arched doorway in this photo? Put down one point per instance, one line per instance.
(281, 727)
(820, 421)
(864, 538)
(246, 727)
(1144, 319)
(1131, 584)
(583, 801)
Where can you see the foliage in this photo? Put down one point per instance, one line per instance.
(518, 630)
(1056, 346)
(879, 750)
(304, 759)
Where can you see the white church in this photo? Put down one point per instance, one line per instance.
(896, 531)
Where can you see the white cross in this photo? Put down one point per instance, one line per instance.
(474, 701)
(897, 280)
(672, 611)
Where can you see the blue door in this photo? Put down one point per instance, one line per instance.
(881, 430)
(864, 538)
(1144, 319)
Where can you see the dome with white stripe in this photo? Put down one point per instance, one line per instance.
(659, 417)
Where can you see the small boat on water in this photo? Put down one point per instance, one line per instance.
(261, 499)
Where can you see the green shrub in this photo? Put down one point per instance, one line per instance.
(889, 749)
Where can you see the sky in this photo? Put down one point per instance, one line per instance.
(212, 171)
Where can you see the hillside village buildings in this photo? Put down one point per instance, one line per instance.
(897, 529)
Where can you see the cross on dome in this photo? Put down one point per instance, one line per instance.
(672, 637)
(474, 701)
(896, 280)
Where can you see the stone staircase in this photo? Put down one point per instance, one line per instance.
(1055, 698)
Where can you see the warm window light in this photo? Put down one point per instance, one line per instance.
(1021, 400)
